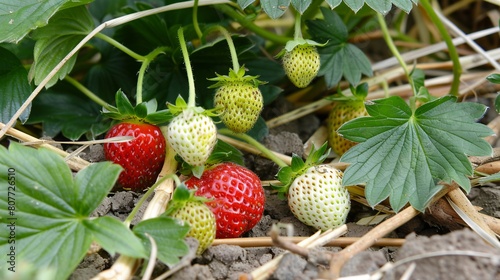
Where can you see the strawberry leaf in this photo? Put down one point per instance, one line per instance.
(275, 8)
(64, 31)
(403, 155)
(48, 207)
(339, 58)
(14, 15)
(168, 235)
(14, 86)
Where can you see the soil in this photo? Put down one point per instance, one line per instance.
(459, 253)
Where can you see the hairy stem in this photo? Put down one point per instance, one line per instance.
(120, 46)
(298, 26)
(88, 92)
(457, 67)
(189, 70)
(226, 9)
(195, 19)
(232, 49)
(142, 71)
(270, 155)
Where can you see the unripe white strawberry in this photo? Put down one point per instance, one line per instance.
(192, 135)
(318, 199)
(201, 221)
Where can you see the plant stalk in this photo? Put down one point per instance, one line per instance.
(232, 49)
(185, 54)
(92, 96)
(226, 9)
(195, 19)
(142, 71)
(457, 67)
(120, 46)
(270, 155)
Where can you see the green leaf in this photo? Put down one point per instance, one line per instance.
(70, 114)
(338, 58)
(14, 86)
(494, 78)
(381, 6)
(124, 105)
(275, 8)
(18, 18)
(403, 155)
(355, 5)
(40, 198)
(497, 103)
(301, 5)
(169, 236)
(333, 3)
(105, 229)
(297, 163)
(64, 31)
(245, 3)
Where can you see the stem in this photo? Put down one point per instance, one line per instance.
(195, 19)
(88, 93)
(232, 49)
(394, 50)
(298, 26)
(142, 71)
(120, 46)
(189, 71)
(256, 144)
(270, 36)
(457, 67)
(132, 214)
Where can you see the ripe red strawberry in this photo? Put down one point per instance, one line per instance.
(141, 158)
(239, 98)
(238, 197)
(301, 64)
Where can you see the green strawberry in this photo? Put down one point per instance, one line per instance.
(193, 211)
(314, 191)
(192, 134)
(345, 109)
(239, 99)
(301, 64)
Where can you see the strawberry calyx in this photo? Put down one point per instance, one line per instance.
(181, 106)
(144, 112)
(287, 174)
(181, 196)
(235, 77)
(290, 45)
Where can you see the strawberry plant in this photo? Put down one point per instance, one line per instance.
(71, 71)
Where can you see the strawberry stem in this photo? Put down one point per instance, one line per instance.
(145, 64)
(192, 94)
(394, 51)
(141, 201)
(298, 26)
(88, 93)
(120, 46)
(245, 22)
(270, 155)
(196, 25)
(232, 49)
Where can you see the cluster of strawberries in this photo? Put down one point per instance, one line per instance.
(234, 195)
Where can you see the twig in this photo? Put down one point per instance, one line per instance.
(339, 242)
(75, 163)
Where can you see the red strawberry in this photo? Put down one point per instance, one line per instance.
(141, 158)
(238, 197)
